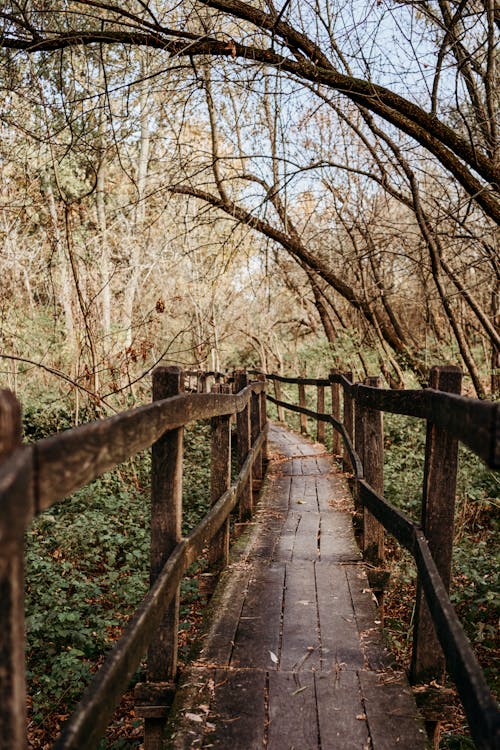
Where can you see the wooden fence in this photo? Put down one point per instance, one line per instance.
(34, 477)
(356, 419)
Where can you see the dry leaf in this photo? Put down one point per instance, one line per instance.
(193, 717)
(274, 658)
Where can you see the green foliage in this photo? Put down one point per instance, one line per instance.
(88, 567)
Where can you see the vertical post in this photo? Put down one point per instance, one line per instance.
(320, 430)
(220, 481)
(302, 403)
(12, 639)
(335, 390)
(359, 447)
(166, 519)
(373, 466)
(277, 394)
(255, 430)
(348, 421)
(244, 442)
(263, 421)
(202, 382)
(438, 514)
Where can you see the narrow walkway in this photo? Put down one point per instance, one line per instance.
(295, 658)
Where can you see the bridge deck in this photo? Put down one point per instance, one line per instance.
(295, 658)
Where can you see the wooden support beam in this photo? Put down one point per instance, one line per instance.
(12, 639)
(348, 421)
(438, 513)
(255, 420)
(320, 408)
(373, 468)
(336, 439)
(278, 396)
(244, 443)
(302, 404)
(166, 521)
(220, 481)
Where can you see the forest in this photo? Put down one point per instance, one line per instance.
(227, 183)
(293, 187)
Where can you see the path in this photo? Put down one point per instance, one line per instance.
(295, 659)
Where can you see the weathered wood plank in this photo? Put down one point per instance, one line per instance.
(391, 712)
(336, 538)
(238, 710)
(300, 645)
(377, 655)
(340, 641)
(342, 720)
(284, 548)
(228, 599)
(307, 537)
(256, 643)
(293, 721)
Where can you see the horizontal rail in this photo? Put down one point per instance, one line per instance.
(95, 710)
(338, 426)
(474, 422)
(462, 664)
(63, 463)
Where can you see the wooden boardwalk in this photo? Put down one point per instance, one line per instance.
(295, 658)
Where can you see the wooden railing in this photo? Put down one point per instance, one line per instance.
(356, 419)
(34, 477)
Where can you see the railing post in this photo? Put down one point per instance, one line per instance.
(373, 468)
(255, 421)
(348, 421)
(438, 513)
(263, 422)
(335, 391)
(220, 481)
(166, 520)
(302, 404)
(359, 447)
(244, 442)
(12, 639)
(320, 428)
(277, 395)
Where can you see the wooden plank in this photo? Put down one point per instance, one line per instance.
(286, 542)
(307, 536)
(336, 538)
(258, 632)
(226, 606)
(190, 710)
(237, 711)
(377, 655)
(340, 641)
(300, 646)
(342, 722)
(391, 712)
(293, 721)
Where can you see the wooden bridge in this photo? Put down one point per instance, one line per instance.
(295, 656)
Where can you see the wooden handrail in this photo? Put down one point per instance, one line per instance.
(34, 477)
(476, 424)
